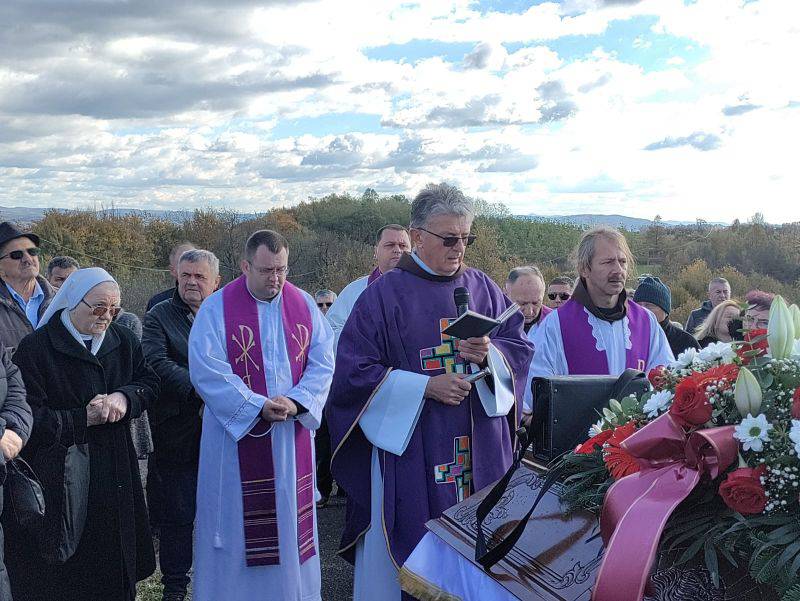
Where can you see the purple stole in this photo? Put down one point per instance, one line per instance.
(374, 275)
(580, 347)
(256, 465)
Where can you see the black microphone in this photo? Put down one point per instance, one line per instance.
(461, 297)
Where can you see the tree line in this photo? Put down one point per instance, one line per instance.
(331, 243)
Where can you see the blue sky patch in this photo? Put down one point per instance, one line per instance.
(326, 125)
(505, 6)
(632, 41)
(417, 50)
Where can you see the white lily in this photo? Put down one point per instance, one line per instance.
(747, 393)
(780, 331)
(795, 311)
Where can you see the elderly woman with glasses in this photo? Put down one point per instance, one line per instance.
(86, 377)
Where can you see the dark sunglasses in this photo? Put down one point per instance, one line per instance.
(100, 310)
(320, 305)
(17, 254)
(560, 295)
(450, 241)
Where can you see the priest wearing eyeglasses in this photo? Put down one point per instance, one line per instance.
(411, 436)
(261, 357)
(24, 294)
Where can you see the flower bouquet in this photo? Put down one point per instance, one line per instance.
(705, 466)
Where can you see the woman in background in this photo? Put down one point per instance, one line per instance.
(715, 327)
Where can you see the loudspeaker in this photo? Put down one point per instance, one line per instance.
(564, 407)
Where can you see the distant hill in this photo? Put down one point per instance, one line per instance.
(25, 215)
(632, 224)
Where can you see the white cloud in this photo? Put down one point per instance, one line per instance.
(248, 104)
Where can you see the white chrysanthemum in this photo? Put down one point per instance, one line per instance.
(753, 432)
(658, 403)
(595, 429)
(717, 351)
(794, 435)
(685, 359)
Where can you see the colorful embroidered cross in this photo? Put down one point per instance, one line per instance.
(460, 471)
(444, 355)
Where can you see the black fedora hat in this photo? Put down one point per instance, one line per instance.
(8, 231)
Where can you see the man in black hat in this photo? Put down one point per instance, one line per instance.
(24, 294)
(655, 296)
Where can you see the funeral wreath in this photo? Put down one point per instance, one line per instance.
(704, 467)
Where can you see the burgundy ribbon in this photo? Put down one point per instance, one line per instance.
(637, 507)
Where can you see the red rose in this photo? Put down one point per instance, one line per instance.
(742, 490)
(796, 404)
(618, 461)
(690, 407)
(754, 341)
(597, 440)
(657, 377)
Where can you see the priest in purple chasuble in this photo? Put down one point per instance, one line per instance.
(411, 437)
(261, 358)
(599, 330)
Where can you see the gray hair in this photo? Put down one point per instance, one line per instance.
(439, 199)
(321, 293)
(196, 255)
(61, 262)
(518, 272)
(562, 280)
(719, 281)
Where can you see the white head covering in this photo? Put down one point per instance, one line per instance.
(74, 288)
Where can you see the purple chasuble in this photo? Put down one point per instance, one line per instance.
(580, 348)
(397, 324)
(256, 464)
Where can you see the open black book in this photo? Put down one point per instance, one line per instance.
(473, 325)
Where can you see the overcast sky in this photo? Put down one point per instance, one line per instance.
(687, 109)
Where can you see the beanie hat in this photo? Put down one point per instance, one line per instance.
(653, 290)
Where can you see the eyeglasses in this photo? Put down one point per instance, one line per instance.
(450, 241)
(267, 271)
(758, 323)
(101, 310)
(321, 305)
(560, 295)
(17, 254)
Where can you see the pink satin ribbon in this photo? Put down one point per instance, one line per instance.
(637, 507)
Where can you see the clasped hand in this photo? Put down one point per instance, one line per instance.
(278, 409)
(474, 350)
(106, 408)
